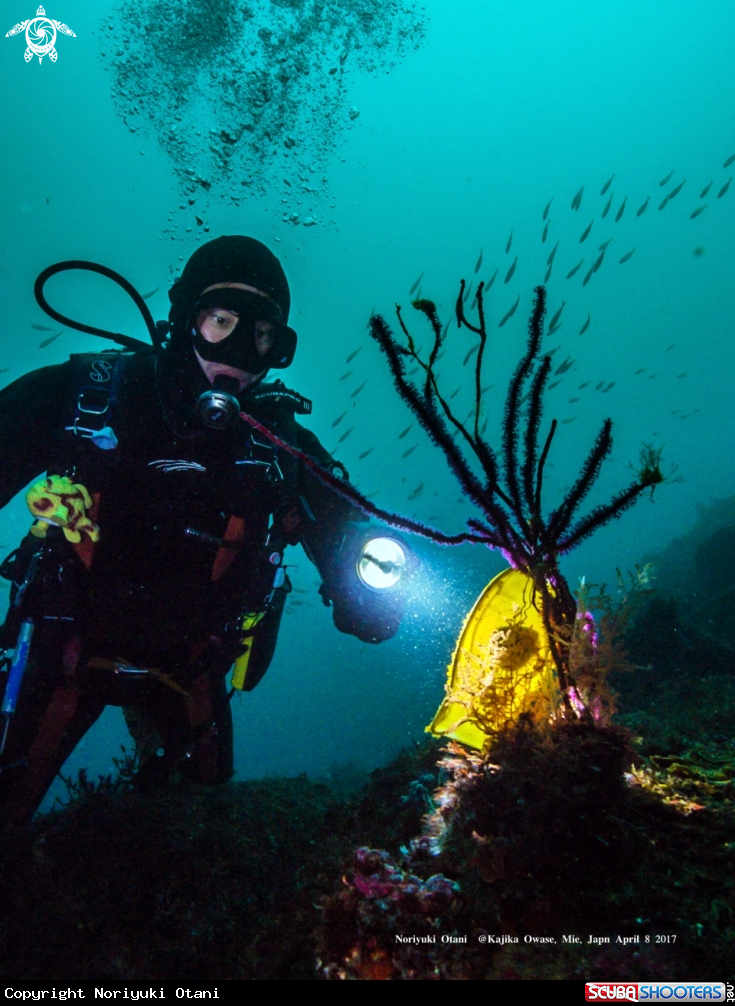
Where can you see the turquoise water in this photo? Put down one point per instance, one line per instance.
(446, 127)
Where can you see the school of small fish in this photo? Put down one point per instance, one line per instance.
(595, 262)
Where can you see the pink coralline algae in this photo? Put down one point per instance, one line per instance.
(375, 877)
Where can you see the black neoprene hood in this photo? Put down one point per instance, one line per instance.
(231, 258)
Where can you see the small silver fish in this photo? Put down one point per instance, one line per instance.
(663, 204)
(565, 366)
(609, 387)
(669, 348)
(364, 454)
(552, 351)
(604, 244)
(417, 492)
(684, 374)
(620, 212)
(557, 316)
(607, 185)
(491, 281)
(42, 328)
(509, 274)
(51, 338)
(627, 256)
(405, 432)
(3, 370)
(547, 277)
(729, 161)
(545, 233)
(554, 385)
(147, 296)
(409, 451)
(470, 354)
(353, 354)
(583, 385)
(665, 181)
(339, 419)
(446, 328)
(598, 261)
(588, 277)
(357, 391)
(345, 376)
(608, 204)
(584, 328)
(600, 385)
(570, 420)
(573, 400)
(705, 190)
(676, 190)
(415, 287)
(642, 209)
(547, 208)
(345, 435)
(455, 393)
(642, 370)
(577, 201)
(576, 268)
(699, 209)
(550, 259)
(467, 293)
(479, 262)
(510, 242)
(585, 232)
(510, 313)
(724, 189)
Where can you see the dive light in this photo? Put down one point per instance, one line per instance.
(381, 563)
(372, 568)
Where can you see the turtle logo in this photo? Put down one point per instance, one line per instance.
(40, 35)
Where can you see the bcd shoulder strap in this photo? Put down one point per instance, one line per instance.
(95, 385)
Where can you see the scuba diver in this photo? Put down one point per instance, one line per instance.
(155, 564)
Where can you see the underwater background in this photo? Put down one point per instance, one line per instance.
(372, 144)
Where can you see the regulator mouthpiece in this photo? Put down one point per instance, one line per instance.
(381, 563)
(218, 407)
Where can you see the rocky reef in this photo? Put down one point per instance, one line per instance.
(586, 832)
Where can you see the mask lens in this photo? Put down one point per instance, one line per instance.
(239, 347)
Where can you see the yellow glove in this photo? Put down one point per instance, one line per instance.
(58, 500)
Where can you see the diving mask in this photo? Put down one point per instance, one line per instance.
(255, 315)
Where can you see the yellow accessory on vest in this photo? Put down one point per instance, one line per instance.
(502, 667)
(57, 500)
(240, 669)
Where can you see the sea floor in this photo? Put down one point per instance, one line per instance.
(590, 854)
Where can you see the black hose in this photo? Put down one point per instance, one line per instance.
(123, 340)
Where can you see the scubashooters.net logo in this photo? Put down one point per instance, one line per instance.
(40, 35)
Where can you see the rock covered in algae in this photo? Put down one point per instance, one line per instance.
(566, 865)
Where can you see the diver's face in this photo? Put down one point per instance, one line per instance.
(216, 323)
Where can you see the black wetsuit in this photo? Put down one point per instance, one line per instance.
(158, 592)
